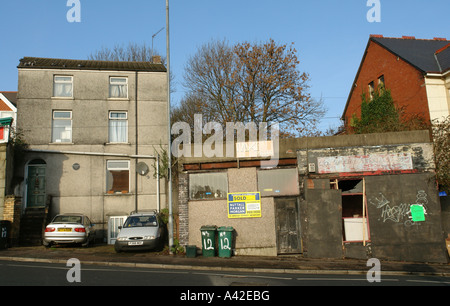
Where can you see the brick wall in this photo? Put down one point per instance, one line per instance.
(183, 211)
(12, 212)
(406, 83)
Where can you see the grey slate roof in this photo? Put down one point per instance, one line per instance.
(52, 63)
(443, 58)
(418, 52)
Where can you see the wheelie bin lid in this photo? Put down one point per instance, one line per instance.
(225, 229)
(208, 228)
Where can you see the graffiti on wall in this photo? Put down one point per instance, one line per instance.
(400, 213)
(363, 163)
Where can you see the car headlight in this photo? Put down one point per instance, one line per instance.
(122, 238)
(149, 237)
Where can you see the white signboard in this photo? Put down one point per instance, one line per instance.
(254, 149)
(364, 163)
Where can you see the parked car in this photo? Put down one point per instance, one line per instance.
(69, 228)
(141, 231)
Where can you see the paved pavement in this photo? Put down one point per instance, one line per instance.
(105, 255)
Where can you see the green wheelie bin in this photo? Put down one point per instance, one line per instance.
(225, 241)
(208, 240)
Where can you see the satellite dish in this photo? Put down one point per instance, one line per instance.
(142, 168)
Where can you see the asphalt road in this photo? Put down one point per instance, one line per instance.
(14, 273)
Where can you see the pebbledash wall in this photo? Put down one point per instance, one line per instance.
(353, 199)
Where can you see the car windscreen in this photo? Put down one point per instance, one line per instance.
(67, 219)
(140, 221)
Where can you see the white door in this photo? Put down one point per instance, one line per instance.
(113, 227)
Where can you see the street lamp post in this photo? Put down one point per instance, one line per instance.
(153, 37)
(169, 149)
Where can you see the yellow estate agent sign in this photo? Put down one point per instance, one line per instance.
(244, 205)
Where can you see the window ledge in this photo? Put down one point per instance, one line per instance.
(61, 143)
(117, 143)
(119, 99)
(63, 98)
(119, 194)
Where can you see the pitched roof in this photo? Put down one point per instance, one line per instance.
(425, 54)
(53, 63)
(11, 96)
(418, 52)
(443, 58)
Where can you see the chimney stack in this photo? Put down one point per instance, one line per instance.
(156, 59)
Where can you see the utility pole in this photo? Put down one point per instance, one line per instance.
(169, 147)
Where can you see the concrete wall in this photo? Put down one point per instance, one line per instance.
(320, 207)
(84, 190)
(393, 234)
(255, 236)
(389, 194)
(438, 96)
(91, 105)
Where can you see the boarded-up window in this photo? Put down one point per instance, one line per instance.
(278, 182)
(118, 176)
(208, 186)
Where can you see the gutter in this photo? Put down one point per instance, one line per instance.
(92, 153)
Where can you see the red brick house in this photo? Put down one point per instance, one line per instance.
(417, 71)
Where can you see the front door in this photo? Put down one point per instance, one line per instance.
(36, 185)
(288, 226)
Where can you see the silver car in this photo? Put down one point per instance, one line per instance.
(69, 228)
(141, 231)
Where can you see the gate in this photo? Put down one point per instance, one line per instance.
(113, 227)
(288, 226)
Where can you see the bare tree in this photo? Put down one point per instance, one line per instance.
(133, 52)
(252, 82)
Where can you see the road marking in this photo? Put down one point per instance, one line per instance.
(343, 279)
(426, 281)
(241, 276)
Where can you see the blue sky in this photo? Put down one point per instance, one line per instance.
(330, 35)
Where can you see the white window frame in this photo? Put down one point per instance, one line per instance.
(109, 168)
(62, 82)
(111, 120)
(61, 140)
(113, 82)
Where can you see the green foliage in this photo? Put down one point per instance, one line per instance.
(441, 140)
(380, 115)
(164, 164)
(177, 249)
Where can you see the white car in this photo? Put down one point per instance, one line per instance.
(69, 228)
(141, 231)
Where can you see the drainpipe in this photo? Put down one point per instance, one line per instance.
(158, 199)
(137, 142)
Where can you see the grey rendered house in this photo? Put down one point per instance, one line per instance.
(92, 128)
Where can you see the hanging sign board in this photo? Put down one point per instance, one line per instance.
(417, 212)
(244, 205)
